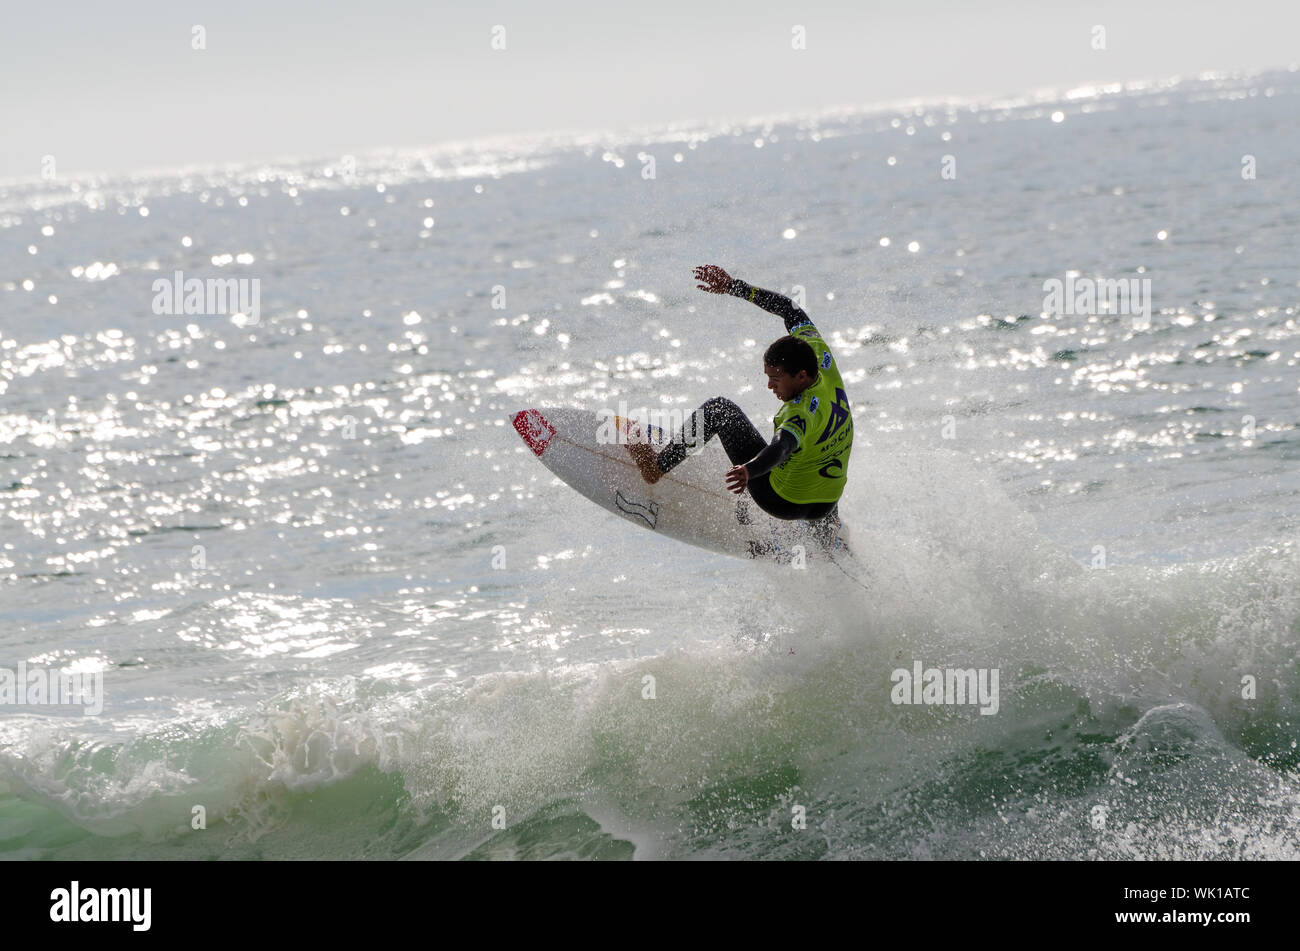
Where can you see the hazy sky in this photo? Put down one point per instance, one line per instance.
(115, 86)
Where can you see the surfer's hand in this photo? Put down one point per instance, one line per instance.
(713, 279)
(737, 479)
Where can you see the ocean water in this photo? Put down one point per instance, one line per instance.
(335, 602)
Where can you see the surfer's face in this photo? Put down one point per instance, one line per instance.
(785, 386)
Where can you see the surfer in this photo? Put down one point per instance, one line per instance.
(802, 472)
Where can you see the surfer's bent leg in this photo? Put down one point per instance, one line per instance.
(717, 417)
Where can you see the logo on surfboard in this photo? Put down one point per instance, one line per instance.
(534, 429)
(648, 512)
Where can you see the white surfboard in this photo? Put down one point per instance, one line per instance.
(589, 452)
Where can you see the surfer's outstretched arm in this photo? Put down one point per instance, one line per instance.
(770, 301)
(715, 280)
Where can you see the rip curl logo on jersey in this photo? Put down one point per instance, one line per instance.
(649, 512)
(812, 407)
(798, 399)
(826, 360)
(534, 429)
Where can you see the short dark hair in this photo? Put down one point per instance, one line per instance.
(791, 355)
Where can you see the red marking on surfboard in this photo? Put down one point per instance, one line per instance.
(535, 430)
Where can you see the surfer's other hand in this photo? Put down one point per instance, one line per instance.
(737, 479)
(712, 279)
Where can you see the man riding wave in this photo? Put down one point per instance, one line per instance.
(802, 472)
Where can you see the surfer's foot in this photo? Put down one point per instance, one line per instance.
(826, 532)
(646, 460)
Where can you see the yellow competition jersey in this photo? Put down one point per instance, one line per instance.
(821, 422)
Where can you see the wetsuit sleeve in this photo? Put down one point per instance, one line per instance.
(773, 455)
(771, 302)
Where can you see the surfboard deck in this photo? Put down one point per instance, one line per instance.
(588, 451)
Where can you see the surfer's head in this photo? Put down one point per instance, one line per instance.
(791, 367)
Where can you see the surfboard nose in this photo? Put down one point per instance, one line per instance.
(534, 429)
